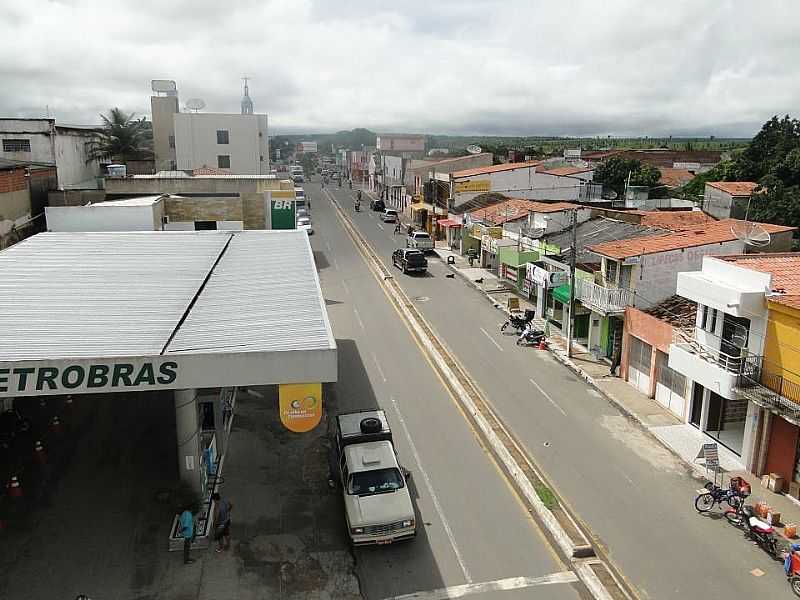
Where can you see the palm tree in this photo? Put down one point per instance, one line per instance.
(123, 137)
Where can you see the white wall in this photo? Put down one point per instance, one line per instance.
(196, 142)
(554, 222)
(557, 187)
(72, 153)
(97, 217)
(189, 226)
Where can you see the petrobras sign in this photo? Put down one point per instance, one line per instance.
(86, 377)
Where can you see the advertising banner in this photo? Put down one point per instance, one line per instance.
(473, 185)
(300, 406)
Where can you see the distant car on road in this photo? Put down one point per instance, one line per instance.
(377, 205)
(389, 216)
(409, 260)
(304, 224)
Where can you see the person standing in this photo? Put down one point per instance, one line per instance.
(187, 531)
(222, 522)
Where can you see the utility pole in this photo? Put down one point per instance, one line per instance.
(572, 259)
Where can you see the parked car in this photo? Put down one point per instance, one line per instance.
(377, 205)
(419, 240)
(304, 223)
(410, 260)
(389, 216)
(377, 502)
(298, 178)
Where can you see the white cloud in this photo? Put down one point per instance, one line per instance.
(521, 67)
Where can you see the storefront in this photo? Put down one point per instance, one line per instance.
(490, 248)
(723, 419)
(513, 266)
(451, 232)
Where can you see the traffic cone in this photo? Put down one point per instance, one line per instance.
(542, 344)
(39, 454)
(14, 488)
(55, 425)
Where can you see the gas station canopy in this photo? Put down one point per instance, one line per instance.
(126, 311)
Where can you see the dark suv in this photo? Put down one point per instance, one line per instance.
(410, 260)
(377, 205)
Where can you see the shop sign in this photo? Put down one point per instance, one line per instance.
(476, 231)
(473, 185)
(282, 210)
(300, 405)
(545, 278)
(75, 378)
(495, 232)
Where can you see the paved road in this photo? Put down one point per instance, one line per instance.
(635, 497)
(474, 528)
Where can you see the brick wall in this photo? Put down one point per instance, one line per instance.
(204, 209)
(13, 180)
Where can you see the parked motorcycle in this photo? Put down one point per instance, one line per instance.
(519, 322)
(530, 337)
(761, 533)
(791, 565)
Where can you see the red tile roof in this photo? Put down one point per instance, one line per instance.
(567, 171)
(784, 268)
(734, 188)
(674, 220)
(495, 169)
(517, 208)
(675, 177)
(709, 233)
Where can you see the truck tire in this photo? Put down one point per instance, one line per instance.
(370, 425)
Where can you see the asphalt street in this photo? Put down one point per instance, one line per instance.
(634, 496)
(474, 531)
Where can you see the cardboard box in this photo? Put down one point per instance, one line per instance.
(765, 481)
(773, 518)
(775, 483)
(794, 490)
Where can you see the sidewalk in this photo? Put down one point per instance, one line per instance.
(682, 439)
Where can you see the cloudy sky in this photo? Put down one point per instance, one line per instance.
(527, 67)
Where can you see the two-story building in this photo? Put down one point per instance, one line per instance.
(727, 199)
(739, 360)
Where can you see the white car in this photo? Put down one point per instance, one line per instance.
(419, 240)
(389, 216)
(304, 223)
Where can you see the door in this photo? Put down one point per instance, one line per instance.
(640, 356)
(697, 404)
(670, 385)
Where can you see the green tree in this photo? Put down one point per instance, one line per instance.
(694, 189)
(613, 173)
(123, 137)
(769, 149)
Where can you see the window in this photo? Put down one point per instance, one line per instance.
(222, 136)
(261, 158)
(625, 276)
(704, 317)
(16, 145)
(172, 141)
(668, 377)
(611, 271)
(224, 161)
(639, 355)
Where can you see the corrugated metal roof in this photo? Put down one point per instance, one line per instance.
(87, 295)
(264, 295)
(84, 295)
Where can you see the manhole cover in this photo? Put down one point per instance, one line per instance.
(421, 299)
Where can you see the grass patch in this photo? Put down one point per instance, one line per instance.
(547, 496)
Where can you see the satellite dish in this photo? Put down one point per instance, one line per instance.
(474, 149)
(750, 233)
(195, 104)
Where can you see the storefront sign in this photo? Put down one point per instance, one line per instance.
(282, 209)
(112, 376)
(473, 185)
(545, 278)
(300, 406)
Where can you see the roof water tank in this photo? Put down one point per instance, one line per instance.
(117, 170)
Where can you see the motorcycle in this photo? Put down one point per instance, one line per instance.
(358, 206)
(791, 566)
(518, 322)
(530, 337)
(761, 533)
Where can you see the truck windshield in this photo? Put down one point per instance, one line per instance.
(366, 483)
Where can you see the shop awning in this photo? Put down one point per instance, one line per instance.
(448, 223)
(561, 293)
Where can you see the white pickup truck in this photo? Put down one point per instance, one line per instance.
(419, 240)
(377, 502)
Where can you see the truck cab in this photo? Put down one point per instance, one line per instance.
(377, 502)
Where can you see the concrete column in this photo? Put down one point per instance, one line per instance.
(187, 426)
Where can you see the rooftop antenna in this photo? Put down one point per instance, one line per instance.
(195, 104)
(750, 233)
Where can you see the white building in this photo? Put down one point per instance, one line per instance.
(237, 144)
(727, 199)
(133, 214)
(44, 143)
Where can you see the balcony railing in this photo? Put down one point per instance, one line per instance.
(766, 384)
(603, 299)
(688, 341)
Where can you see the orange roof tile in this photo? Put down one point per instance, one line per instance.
(710, 233)
(675, 177)
(784, 268)
(675, 220)
(517, 208)
(734, 188)
(495, 169)
(567, 171)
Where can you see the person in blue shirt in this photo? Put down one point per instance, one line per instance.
(187, 531)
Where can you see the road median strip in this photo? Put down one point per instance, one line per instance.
(562, 528)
